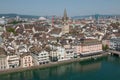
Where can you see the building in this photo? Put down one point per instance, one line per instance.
(56, 32)
(64, 53)
(41, 57)
(61, 53)
(115, 44)
(65, 28)
(3, 59)
(13, 60)
(88, 47)
(26, 60)
(69, 53)
(65, 17)
(54, 55)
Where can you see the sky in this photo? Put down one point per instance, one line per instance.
(56, 7)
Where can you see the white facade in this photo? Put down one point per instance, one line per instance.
(115, 44)
(64, 54)
(13, 61)
(2, 21)
(41, 57)
(69, 53)
(65, 29)
(3, 62)
(61, 53)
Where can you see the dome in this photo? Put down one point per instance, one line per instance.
(42, 18)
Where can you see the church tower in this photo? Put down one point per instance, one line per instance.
(65, 28)
(65, 17)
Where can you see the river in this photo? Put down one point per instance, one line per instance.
(107, 68)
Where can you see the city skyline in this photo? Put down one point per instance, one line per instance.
(56, 7)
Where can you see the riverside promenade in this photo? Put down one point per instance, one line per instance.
(52, 64)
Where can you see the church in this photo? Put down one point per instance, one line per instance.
(65, 19)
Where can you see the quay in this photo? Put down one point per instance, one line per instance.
(52, 64)
(112, 52)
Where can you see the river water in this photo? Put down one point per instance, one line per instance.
(107, 68)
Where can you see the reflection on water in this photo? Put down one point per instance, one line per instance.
(90, 67)
(64, 72)
(58, 71)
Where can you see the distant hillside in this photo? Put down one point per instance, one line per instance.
(22, 16)
(95, 16)
(12, 15)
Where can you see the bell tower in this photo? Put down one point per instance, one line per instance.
(65, 17)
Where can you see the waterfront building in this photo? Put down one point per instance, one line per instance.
(3, 59)
(61, 53)
(40, 57)
(53, 55)
(106, 40)
(13, 60)
(64, 53)
(115, 44)
(88, 47)
(26, 60)
(69, 53)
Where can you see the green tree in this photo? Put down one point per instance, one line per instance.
(105, 47)
(11, 30)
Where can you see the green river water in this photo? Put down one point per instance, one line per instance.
(107, 68)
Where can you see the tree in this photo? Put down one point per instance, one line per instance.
(105, 47)
(11, 30)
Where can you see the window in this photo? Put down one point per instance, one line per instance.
(25, 61)
(4, 67)
(29, 59)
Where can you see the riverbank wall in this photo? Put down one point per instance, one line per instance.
(52, 64)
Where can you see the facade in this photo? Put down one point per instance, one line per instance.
(61, 53)
(3, 61)
(88, 46)
(26, 60)
(77, 49)
(53, 55)
(115, 44)
(13, 60)
(106, 42)
(41, 57)
(65, 29)
(69, 53)
(64, 53)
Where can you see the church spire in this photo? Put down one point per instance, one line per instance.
(65, 13)
(65, 18)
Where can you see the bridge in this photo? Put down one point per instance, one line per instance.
(114, 52)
